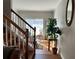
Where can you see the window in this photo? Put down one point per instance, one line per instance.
(38, 23)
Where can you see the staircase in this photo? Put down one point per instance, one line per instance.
(20, 34)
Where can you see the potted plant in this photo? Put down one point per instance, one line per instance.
(53, 31)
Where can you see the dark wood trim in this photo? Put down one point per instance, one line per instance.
(72, 12)
(34, 38)
(22, 19)
(26, 53)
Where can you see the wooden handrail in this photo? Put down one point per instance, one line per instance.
(22, 19)
(8, 19)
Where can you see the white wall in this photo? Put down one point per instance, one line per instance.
(67, 41)
(36, 14)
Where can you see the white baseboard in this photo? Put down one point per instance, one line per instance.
(61, 55)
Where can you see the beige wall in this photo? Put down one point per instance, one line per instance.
(67, 40)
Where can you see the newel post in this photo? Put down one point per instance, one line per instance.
(34, 39)
(26, 52)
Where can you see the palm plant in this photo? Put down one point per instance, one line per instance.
(52, 29)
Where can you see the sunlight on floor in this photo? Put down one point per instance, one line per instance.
(44, 44)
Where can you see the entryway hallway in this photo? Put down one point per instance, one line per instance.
(19, 37)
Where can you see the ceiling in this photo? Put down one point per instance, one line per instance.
(35, 5)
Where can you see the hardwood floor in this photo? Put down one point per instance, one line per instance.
(44, 54)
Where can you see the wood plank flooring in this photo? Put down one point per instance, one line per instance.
(44, 54)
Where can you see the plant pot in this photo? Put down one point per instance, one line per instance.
(54, 50)
(55, 43)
